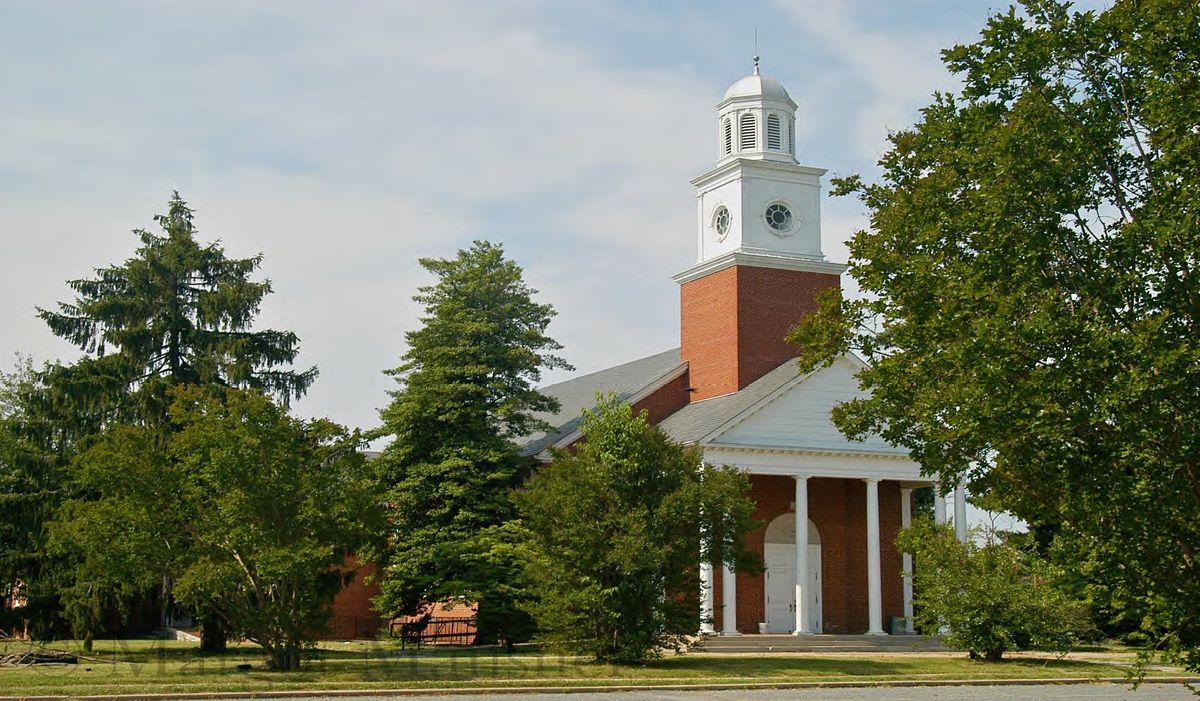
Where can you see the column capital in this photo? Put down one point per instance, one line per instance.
(800, 478)
(871, 480)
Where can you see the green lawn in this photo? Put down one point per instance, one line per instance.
(138, 666)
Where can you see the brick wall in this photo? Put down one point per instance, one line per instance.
(838, 508)
(353, 618)
(664, 401)
(733, 322)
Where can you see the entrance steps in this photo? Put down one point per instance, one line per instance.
(817, 643)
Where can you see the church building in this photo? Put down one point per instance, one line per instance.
(831, 507)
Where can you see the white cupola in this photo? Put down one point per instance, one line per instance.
(758, 205)
(757, 119)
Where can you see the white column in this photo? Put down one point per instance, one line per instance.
(728, 602)
(905, 522)
(874, 581)
(803, 615)
(939, 505)
(960, 512)
(706, 598)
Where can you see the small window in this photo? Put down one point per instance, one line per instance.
(746, 138)
(728, 136)
(774, 139)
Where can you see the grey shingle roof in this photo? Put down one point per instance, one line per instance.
(698, 419)
(579, 393)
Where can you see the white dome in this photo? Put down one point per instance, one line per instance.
(757, 85)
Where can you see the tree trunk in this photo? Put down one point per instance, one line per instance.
(284, 658)
(212, 633)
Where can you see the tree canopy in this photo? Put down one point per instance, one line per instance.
(1031, 298)
(988, 597)
(616, 530)
(467, 389)
(251, 510)
(176, 313)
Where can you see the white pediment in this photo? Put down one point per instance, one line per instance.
(797, 416)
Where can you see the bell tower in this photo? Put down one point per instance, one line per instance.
(759, 262)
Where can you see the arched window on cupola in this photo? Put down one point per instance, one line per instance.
(728, 139)
(774, 135)
(746, 136)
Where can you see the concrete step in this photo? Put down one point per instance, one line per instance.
(818, 643)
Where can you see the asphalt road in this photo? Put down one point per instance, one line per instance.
(1044, 692)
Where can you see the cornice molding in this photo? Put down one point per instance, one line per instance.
(759, 259)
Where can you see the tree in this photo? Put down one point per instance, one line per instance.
(253, 511)
(987, 598)
(615, 537)
(178, 313)
(467, 389)
(30, 490)
(1032, 297)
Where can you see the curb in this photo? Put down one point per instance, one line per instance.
(512, 690)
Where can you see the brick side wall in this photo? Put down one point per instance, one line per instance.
(770, 303)
(353, 618)
(664, 401)
(838, 508)
(708, 333)
(733, 321)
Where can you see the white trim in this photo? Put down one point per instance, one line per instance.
(830, 464)
(733, 163)
(760, 258)
(711, 438)
(545, 455)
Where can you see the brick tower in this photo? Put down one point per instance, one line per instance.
(759, 262)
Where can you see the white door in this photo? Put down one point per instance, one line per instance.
(781, 587)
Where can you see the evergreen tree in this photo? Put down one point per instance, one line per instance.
(467, 389)
(177, 313)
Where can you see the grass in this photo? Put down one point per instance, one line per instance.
(140, 666)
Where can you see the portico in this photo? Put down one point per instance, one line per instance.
(835, 567)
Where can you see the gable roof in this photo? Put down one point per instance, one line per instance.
(782, 409)
(698, 419)
(626, 380)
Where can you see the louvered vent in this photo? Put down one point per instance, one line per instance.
(746, 141)
(728, 136)
(790, 130)
(774, 141)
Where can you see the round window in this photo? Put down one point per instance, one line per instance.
(721, 221)
(779, 217)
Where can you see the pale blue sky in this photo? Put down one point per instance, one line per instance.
(345, 140)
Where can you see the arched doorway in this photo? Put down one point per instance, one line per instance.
(779, 552)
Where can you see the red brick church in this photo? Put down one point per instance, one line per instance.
(831, 507)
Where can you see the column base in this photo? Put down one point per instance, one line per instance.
(876, 632)
(802, 632)
(707, 630)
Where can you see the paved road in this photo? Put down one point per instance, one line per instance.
(1047, 692)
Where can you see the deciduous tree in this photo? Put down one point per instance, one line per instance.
(615, 537)
(1032, 295)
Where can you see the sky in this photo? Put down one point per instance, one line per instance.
(344, 141)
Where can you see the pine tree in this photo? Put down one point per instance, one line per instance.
(467, 388)
(177, 313)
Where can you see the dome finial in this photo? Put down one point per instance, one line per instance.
(756, 51)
